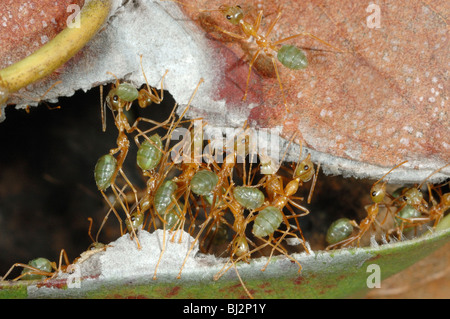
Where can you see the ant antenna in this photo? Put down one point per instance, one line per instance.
(396, 166)
(436, 171)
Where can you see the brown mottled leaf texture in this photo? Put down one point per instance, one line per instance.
(381, 101)
(27, 25)
(374, 93)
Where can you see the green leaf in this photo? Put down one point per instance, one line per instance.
(336, 274)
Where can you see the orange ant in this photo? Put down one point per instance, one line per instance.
(93, 248)
(271, 216)
(289, 55)
(3, 95)
(413, 206)
(217, 181)
(154, 177)
(303, 172)
(413, 196)
(281, 197)
(163, 194)
(240, 243)
(237, 199)
(436, 212)
(119, 99)
(128, 93)
(377, 194)
(40, 268)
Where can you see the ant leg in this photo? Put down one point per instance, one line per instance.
(231, 34)
(242, 282)
(123, 148)
(225, 267)
(308, 35)
(163, 218)
(106, 217)
(306, 211)
(294, 216)
(34, 271)
(388, 212)
(272, 24)
(255, 56)
(257, 23)
(66, 259)
(163, 249)
(178, 227)
(313, 185)
(155, 98)
(126, 210)
(279, 240)
(173, 125)
(161, 91)
(133, 189)
(155, 126)
(214, 227)
(164, 242)
(205, 223)
(12, 268)
(281, 86)
(276, 246)
(343, 243)
(102, 109)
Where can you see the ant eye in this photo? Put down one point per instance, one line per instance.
(228, 17)
(238, 6)
(306, 167)
(377, 193)
(115, 98)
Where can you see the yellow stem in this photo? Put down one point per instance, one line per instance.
(56, 52)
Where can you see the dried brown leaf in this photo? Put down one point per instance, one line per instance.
(28, 25)
(383, 101)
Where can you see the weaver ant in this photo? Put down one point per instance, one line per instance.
(377, 194)
(40, 268)
(212, 183)
(289, 55)
(415, 210)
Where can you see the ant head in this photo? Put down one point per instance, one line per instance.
(377, 192)
(305, 169)
(233, 14)
(121, 94)
(268, 165)
(413, 196)
(135, 221)
(113, 101)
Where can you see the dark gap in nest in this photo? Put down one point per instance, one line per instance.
(47, 187)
